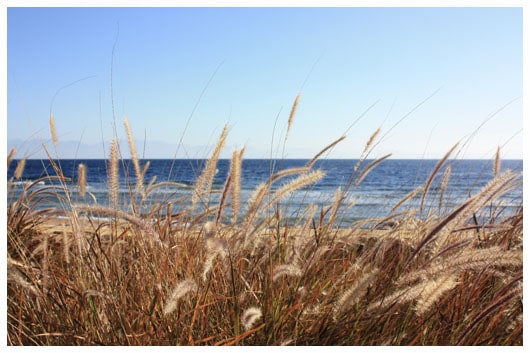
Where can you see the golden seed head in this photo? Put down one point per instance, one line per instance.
(250, 316)
(82, 179)
(53, 131)
(20, 168)
(209, 229)
(10, 157)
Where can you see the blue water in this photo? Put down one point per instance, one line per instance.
(384, 186)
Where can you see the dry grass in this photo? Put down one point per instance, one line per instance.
(222, 280)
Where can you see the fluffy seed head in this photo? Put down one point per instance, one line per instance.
(203, 185)
(10, 157)
(20, 168)
(82, 179)
(215, 247)
(250, 316)
(372, 139)
(134, 155)
(209, 229)
(113, 175)
(298, 183)
(433, 291)
(497, 163)
(180, 290)
(236, 182)
(292, 114)
(286, 270)
(353, 294)
(53, 131)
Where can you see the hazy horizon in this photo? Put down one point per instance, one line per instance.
(68, 150)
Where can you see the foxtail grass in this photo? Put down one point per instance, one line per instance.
(203, 184)
(134, 157)
(20, 168)
(81, 182)
(53, 131)
(180, 274)
(113, 175)
(10, 156)
(292, 114)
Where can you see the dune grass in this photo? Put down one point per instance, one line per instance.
(192, 273)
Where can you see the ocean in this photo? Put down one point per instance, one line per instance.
(380, 190)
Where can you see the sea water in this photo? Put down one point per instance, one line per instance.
(375, 196)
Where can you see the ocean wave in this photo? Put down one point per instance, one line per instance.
(28, 182)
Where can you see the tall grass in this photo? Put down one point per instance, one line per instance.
(205, 276)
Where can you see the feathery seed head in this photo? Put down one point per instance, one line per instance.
(215, 247)
(182, 288)
(235, 170)
(292, 114)
(53, 131)
(20, 168)
(298, 183)
(497, 163)
(134, 156)
(250, 316)
(286, 270)
(203, 185)
(433, 290)
(372, 139)
(209, 229)
(10, 157)
(353, 294)
(82, 179)
(113, 175)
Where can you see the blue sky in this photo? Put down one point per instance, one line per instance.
(245, 66)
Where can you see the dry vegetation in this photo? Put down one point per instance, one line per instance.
(200, 275)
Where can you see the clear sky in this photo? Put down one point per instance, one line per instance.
(245, 66)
